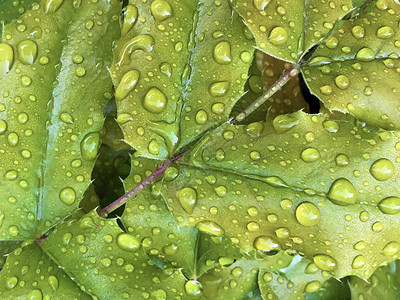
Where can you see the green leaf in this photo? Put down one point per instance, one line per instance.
(31, 274)
(356, 69)
(287, 29)
(170, 54)
(383, 284)
(298, 183)
(54, 86)
(11, 10)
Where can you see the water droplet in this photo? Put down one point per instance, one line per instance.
(6, 58)
(67, 118)
(326, 89)
(13, 230)
(307, 214)
(171, 173)
(221, 191)
(193, 288)
(80, 71)
(127, 84)
(153, 147)
(187, 198)
(377, 227)
(68, 196)
(358, 32)
(130, 17)
(51, 6)
(382, 169)
(342, 82)
(365, 54)
(219, 88)
(127, 242)
(11, 282)
(22, 118)
(331, 42)
(284, 123)
(201, 117)
(312, 287)
(385, 32)
(13, 139)
(106, 262)
(254, 129)
(26, 81)
(278, 36)
(166, 69)
(390, 205)
(170, 249)
(358, 262)
(253, 226)
(325, 262)
(11, 175)
(331, 126)
(210, 227)
(282, 233)
(261, 4)
(144, 42)
(342, 192)
(265, 243)
(53, 281)
(310, 155)
(391, 249)
(237, 272)
(222, 53)
(90, 145)
(218, 108)
(342, 160)
(3, 127)
(246, 56)
(27, 52)
(154, 101)
(161, 10)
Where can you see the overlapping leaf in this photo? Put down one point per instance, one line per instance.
(265, 186)
(179, 68)
(286, 29)
(54, 86)
(356, 69)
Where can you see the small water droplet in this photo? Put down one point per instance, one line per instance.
(325, 262)
(342, 82)
(193, 288)
(154, 147)
(310, 155)
(358, 32)
(358, 262)
(219, 88)
(342, 160)
(201, 117)
(265, 243)
(68, 196)
(210, 227)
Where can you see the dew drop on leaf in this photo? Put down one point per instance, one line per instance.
(382, 169)
(358, 262)
(391, 249)
(219, 88)
(278, 36)
(222, 53)
(210, 227)
(127, 242)
(27, 52)
(307, 214)
(390, 205)
(187, 198)
(342, 192)
(68, 196)
(161, 10)
(266, 243)
(130, 17)
(325, 262)
(127, 84)
(365, 54)
(154, 101)
(310, 155)
(89, 146)
(6, 58)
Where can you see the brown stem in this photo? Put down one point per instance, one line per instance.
(291, 72)
(122, 200)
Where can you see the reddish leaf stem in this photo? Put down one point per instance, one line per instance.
(291, 72)
(153, 176)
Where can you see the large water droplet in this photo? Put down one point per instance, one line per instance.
(219, 88)
(385, 32)
(154, 101)
(154, 147)
(358, 32)
(342, 82)
(261, 4)
(391, 249)
(187, 198)
(68, 196)
(359, 262)
(6, 58)
(390, 205)
(3, 127)
(312, 287)
(193, 288)
(365, 54)
(222, 53)
(325, 262)
(144, 42)
(53, 282)
(127, 242)
(342, 192)
(201, 117)
(161, 10)
(278, 36)
(51, 6)
(90, 145)
(27, 52)
(342, 160)
(382, 169)
(310, 155)
(265, 243)
(210, 227)
(130, 17)
(284, 123)
(307, 214)
(127, 84)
